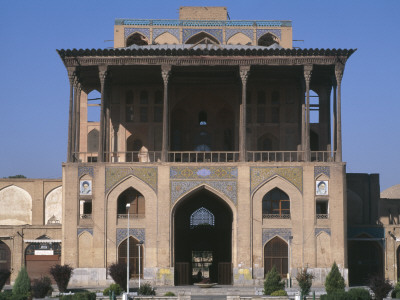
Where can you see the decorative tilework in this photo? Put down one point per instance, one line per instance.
(80, 230)
(269, 233)
(85, 170)
(137, 233)
(181, 187)
(318, 230)
(292, 174)
(318, 170)
(158, 31)
(261, 32)
(203, 173)
(231, 32)
(144, 31)
(188, 33)
(376, 232)
(147, 174)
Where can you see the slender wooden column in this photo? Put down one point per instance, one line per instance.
(307, 78)
(74, 119)
(303, 129)
(334, 115)
(71, 77)
(339, 68)
(78, 120)
(244, 74)
(165, 72)
(107, 120)
(103, 75)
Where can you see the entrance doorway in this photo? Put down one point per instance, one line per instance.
(5, 259)
(202, 239)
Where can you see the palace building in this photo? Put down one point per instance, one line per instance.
(225, 140)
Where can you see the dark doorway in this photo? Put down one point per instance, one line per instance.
(276, 255)
(365, 260)
(5, 259)
(134, 245)
(203, 239)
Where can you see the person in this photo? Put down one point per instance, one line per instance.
(321, 188)
(85, 188)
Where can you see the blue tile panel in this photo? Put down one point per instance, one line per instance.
(231, 32)
(80, 230)
(203, 173)
(318, 170)
(318, 230)
(148, 175)
(375, 232)
(260, 175)
(137, 233)
(201, 23)
(269, 233)
(85, 170)
(261, 32)
(144, 31)
(188, 33)
(158, 31)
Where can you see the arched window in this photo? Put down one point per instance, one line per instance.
(267, 40)
(276, 255)
(137, 39)
(93, 106)
(201, 38)
(133, 256)
(201, 217)
(93, 141)
(136, 200)
(276, 204)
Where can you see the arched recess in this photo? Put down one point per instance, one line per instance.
(166, 38)
(93, 141)
(53, 206)
(19, 204)
(276, 204)
(111, 213)
(323, 250)
(267, 40)
(365, 257)
(5, 258)
(239, 39)
(134, 245)
(355, 208)
(276, 255)
(259, 223)
(136, 200)
(200, 38)
(267, 142)
(205, 247)
(85, 250)
(137, 39)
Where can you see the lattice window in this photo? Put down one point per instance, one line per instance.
(276, 202)
(202, 216)
(276, 254)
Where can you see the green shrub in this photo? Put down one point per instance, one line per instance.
(169, 294)
(4, 275)
(114, 287)
(6, 295)
(359, 294)
(334, 281)
(380, 286)
(41, 287)
(396, 291)
(61, 275)
(22, 285)
(304, 280)
(336, 295)
(273, 282)
(146, 289)
(118, 274)
(279, 293)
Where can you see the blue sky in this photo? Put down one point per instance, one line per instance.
(35, 91)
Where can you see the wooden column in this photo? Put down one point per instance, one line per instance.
(339, 68)
(107, 117)
(244, 74)
(103, 75)
(71, 77)
(74, 120)
(334, 117)
(307, 79)
(78, 119)
(165, 72)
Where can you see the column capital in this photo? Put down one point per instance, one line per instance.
(244, 73)
(71, 75)
(307, 73)
(339, 69)
(103, 71)
(165, 72)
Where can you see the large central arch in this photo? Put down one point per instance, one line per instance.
(202, 229)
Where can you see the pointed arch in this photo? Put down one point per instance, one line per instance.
(276, 255)
(166, 38)
(19, 204)
(134, 245)
(200, 37)
(5, 258)
(268, 39)
(323, 243)
(276, 204)
(135, 199)
(136, 38)
(239, 39)
(53, 206)
(85, 250)
(93, 140)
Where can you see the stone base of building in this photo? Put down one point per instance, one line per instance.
(89, 277)
(320, 275)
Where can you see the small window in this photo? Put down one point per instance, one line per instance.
(202, 217)
(143, 114)
(321, 208)
(144, 97)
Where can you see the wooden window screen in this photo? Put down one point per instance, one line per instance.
(276, 254)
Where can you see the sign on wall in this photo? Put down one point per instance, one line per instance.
(321, 187)
(85, 187)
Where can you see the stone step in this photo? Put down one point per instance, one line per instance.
(216, 290)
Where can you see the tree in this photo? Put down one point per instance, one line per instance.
(304, 280)
(334, 281)
(61, 275)
(118, 273)
(380, 285)
(22, 285)
(273, 282)
(17, 176)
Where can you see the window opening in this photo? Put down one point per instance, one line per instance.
(202, 217)
(321, 209)
(267, 40)
(201, 263)
(314, 107)
(276, 255)
(94, 105)
(136, 200)
(203, 118)
(276, 204)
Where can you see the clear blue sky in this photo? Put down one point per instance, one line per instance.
(34, 89)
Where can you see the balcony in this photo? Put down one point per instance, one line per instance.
(276, 216)
(131, 216)
(207, 156)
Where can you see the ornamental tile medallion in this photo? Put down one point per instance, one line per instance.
(231, 32)
(80, 230)
(144, 31)
(269, 233)
(260, 175)
(159, 31)
(137, 233)
(319, 230)
(188, 33)
(318, 170)
(261, 32)
(146, 174)
(84, 170)
(186, 179)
